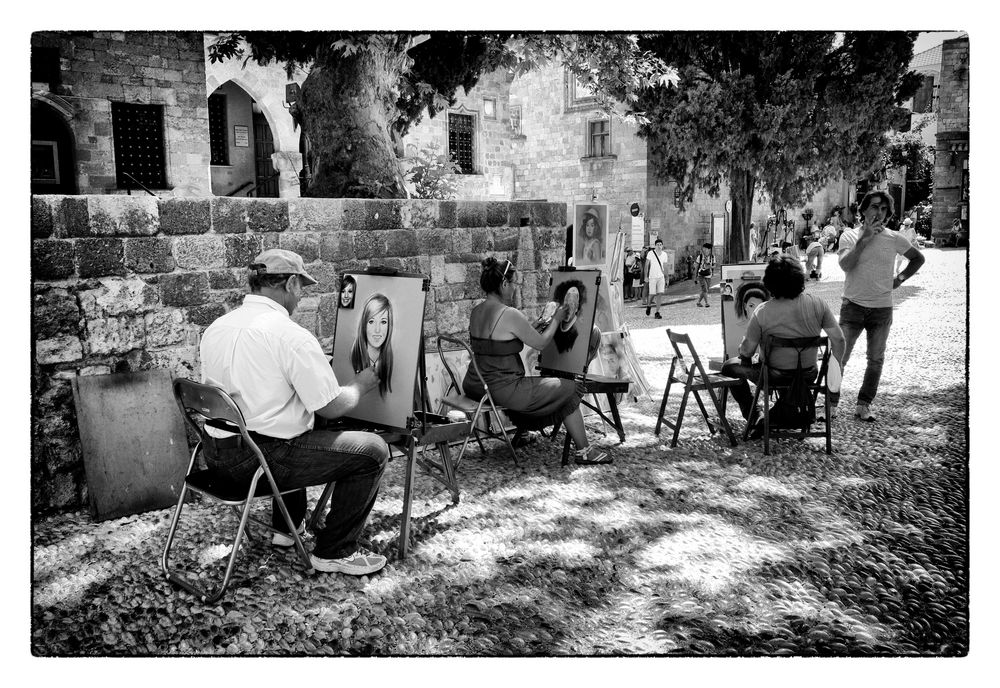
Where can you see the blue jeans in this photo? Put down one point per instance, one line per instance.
(875, 322)
(354, 460)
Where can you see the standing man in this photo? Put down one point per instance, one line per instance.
(277, 374)
(867, 256)
(655, 277)
(752, 248)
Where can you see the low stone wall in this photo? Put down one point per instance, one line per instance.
(128, 283)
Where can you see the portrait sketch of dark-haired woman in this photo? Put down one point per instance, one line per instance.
(572, 294)
(348, 289)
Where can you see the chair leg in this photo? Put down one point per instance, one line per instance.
(704, 411)
(680, 414)
(666, 393)
(756, 400)
(720, 406)
(767, 421)
(503, 431)
(321, 505)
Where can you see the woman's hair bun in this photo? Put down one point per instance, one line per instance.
(489, 262)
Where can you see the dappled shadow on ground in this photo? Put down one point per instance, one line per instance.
(701, 549)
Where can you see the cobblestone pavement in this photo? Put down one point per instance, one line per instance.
(699, 550)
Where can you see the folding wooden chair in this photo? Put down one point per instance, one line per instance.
(689, 371)
(454, 398)
(768, 386)
(199, 404)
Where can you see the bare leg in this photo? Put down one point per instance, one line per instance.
(575, 428)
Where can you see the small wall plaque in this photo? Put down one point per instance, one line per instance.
(241, 136)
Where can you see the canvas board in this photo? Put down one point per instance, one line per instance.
(567, 352)
(591, 235)
(733, 325)
(381, 327)
(135, 450)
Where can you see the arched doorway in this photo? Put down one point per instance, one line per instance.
(52, 152)
(241, 145)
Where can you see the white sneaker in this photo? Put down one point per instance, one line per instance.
(361, 563)
(285, 540)
(861, 412)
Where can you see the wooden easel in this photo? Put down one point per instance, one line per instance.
(422, 430)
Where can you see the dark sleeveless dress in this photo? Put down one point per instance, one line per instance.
(532, 403)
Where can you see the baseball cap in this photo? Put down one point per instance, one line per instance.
(278, 261)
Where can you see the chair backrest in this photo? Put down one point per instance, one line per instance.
(678, 340)
(455, 383)
(212, 404)
(822, 344)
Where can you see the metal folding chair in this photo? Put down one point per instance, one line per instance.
(768, 386)
(200, 403)
(689, 372)
(454, 398)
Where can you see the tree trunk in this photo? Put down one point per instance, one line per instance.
(741, 190)
(347, 114)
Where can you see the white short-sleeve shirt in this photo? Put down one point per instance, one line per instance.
(869, 284)
(273, 368)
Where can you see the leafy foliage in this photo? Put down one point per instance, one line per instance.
(431, 174)
(780, 110)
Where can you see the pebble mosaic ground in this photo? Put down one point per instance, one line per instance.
(699, 550)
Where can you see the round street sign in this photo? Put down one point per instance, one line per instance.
(634, 209)
(729, 206)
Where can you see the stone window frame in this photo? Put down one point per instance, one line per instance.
(486, 108)
(474, 141)
(574, 101)
(591, 149)
(53, 147)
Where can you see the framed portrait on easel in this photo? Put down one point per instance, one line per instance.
(380, 325)
(566, 354)
(591, 241)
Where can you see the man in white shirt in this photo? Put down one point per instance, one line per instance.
(867, 255)
(655, 276)
(279, 376)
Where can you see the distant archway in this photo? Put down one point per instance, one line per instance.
(53, 151)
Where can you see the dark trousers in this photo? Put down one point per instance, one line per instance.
(354, 460)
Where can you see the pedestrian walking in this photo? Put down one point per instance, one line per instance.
(754, 239)
(655, 277)
(704, 264)
(867, 256)
(629, 273)
(910, 234)
(814, 256)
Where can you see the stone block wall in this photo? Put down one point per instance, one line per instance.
(127, 283)
(142, 67)
(951, 159)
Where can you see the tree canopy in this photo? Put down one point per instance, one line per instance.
(365, 90)
(772, 112)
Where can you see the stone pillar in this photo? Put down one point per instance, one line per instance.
(288, 164)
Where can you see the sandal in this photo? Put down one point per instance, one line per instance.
(582, 457)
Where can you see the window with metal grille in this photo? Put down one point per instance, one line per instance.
(461, 131)
(45, 65)
(138, 137)
(599, 138)
(217, 129)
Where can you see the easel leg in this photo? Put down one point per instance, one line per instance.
(404, 523)
(618, 421)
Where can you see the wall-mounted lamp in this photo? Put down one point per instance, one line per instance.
(292, 92)
(593, 196)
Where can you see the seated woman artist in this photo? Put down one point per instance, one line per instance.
(497, 334)
(789, 313)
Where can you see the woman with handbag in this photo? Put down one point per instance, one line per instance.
(704, 264)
